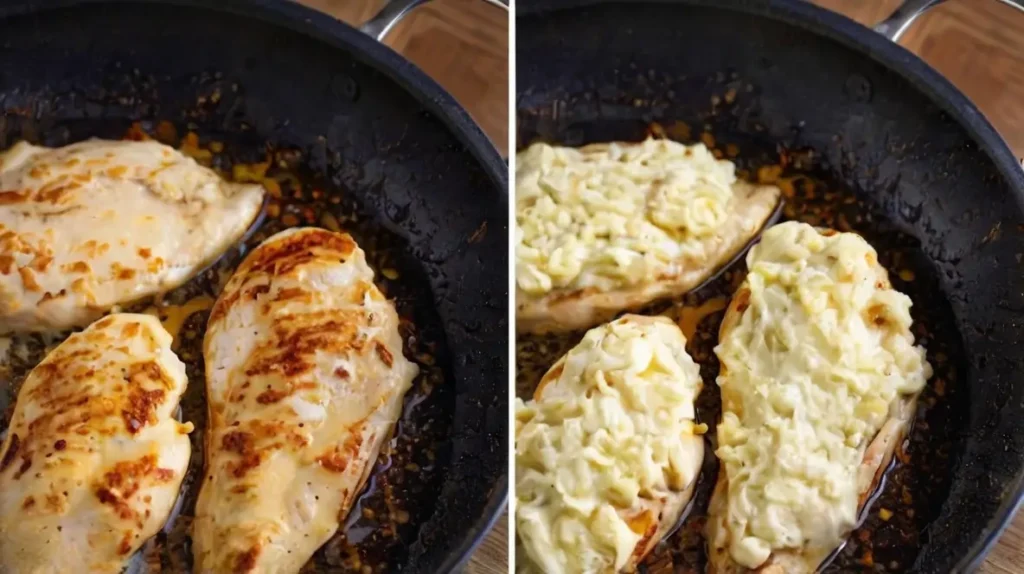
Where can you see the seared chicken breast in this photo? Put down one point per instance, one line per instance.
(608, 451)
(611, 227)
(93, 458)
(819, 379)
(98, 223)
(305, 378)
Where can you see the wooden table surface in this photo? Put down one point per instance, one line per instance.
(463, 44)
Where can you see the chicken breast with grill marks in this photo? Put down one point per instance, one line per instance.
(99, 223)
(305, 378)
(93, 459)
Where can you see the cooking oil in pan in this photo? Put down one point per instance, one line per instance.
(384, 521)
(893, 529)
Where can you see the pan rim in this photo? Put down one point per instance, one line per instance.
(304, 20)
(428, 93)
(852, 34)
(930, 83)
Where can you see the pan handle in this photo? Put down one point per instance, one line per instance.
(899, 22)
(393, 11)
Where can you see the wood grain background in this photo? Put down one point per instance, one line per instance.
(463, 44)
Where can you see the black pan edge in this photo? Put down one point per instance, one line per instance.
(299, 18)
(930, 82)
(851, 34)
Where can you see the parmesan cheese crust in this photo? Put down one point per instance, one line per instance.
(819, 377)
(607, 452)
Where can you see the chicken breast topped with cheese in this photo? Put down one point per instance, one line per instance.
(611, 227)
(99, 223)
(608, 451)
(305, 379)
(819, 379)
(93, 458)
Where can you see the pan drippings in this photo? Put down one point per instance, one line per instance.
(400, 494)
(893, 528)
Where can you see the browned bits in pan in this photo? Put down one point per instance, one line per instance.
(166, 133)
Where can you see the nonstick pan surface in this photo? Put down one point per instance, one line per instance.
(862, 136)
(351, 137)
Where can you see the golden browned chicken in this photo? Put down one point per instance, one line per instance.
(819, 377)
(98, 223)
(93, 458)
(611, 227)
(305, 378)
(608, 451)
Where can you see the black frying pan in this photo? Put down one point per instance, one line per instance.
(869, 138)
(355, 131)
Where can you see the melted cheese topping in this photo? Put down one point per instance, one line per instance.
(816, 363)
(601, 441)
(99, 223)
(614, 215)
